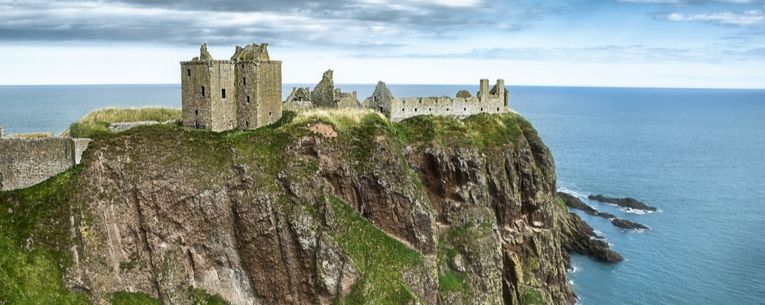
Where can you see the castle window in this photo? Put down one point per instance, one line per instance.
(269, 113)
(244, 81)
(447, 109)
(464, 109)
(481, 109)
(430, 109)
(188, 72)
(223, 93)
(402, 109)
(196, 112)
(497, 108)
(415, 109)
(203, 90)
(248, 99)
(248, 123)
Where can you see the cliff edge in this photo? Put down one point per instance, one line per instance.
(328, 207)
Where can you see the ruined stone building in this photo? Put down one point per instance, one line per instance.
(487, 100)
(243, 92)
(324, 95)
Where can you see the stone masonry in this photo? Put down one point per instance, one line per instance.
(485, 101)
(243, 92)
(26, 162)
(324, 95)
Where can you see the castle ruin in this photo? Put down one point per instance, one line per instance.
(324, 95)
(487, 100)
(244, 92)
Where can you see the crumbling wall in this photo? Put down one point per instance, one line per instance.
(26, 162)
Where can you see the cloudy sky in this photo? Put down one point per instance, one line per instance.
(647, 43)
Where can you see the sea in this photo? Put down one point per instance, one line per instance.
(698, 155)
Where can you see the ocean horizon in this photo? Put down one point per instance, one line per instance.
(698, 155)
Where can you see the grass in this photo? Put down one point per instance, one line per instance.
(33, 135)
(96, 123)
(380, 258)
(532, 296)
(133, 298)
(451, 281)
(33, 245)
(480, 130)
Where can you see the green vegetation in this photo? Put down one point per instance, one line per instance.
(97, 122)
(201, 297)
(133, 298)
(451, 281)
(33, 246)
(380, 259)
(479, 130)
(532, 296)
(561, 203)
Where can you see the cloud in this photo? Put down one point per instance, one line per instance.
(286, 22)
(607, 54)
(746, 18)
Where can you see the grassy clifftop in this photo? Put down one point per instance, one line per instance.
(96, 123)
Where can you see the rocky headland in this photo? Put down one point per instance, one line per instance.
(324, 207)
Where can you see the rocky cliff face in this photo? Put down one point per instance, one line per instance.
(323, 208)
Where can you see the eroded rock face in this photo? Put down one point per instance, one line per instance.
(259, 219)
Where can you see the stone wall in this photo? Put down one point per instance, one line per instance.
(269, 92)
(26, 162)
(461, 107)
(223, 95)
(485, 101)
(195, 96)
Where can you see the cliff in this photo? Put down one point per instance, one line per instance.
(337, 207)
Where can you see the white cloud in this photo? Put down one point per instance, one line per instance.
(747, 18)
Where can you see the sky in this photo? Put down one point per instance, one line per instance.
(625, 43)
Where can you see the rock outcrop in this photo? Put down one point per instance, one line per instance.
(572, 202)
(627, 202)
(315, 210)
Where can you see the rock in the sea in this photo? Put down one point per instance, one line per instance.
(623, 202)
(627, 225)
(574, 203)
(579, 237)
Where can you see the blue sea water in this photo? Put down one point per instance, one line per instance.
(697, 155)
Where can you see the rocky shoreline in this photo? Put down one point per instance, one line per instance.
(572, 202)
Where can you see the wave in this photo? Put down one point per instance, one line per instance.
(575, 193)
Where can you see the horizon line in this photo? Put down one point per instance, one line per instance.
(408, 84)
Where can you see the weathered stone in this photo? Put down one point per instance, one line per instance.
(26, 162)
(244, 92)
(484, 102)
(323, 95)
(380, 100)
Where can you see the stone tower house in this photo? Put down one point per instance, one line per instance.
(244, 92)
